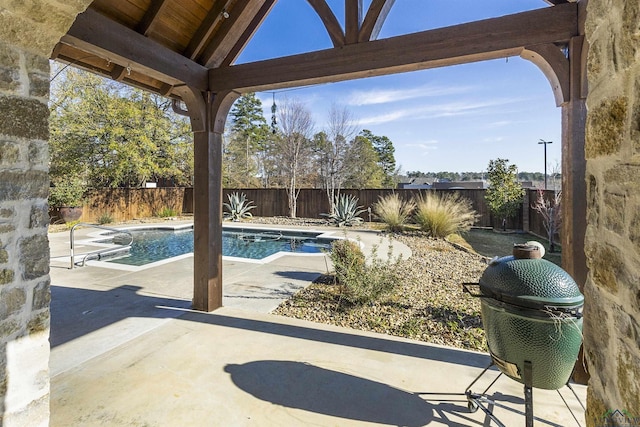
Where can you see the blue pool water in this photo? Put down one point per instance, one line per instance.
(155, 245)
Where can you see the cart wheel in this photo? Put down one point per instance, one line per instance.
(473, 406)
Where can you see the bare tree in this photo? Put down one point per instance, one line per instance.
(292, 146)
(556, 171)
(551, 212)
(332, 153)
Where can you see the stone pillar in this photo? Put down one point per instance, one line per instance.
(612, 244)
(28, 33)
(24, 251)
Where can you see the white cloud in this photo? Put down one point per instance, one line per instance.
(384, 96)
(498, 124)
(434, 111)
(422, 148)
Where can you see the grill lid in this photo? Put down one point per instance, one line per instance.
(530, 282)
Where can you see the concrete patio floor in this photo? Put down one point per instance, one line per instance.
(128, 351)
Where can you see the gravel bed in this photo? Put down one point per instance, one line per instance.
(427, 304)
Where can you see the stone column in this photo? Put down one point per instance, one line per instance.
(612, 244)
(24, 251)
(28, 33)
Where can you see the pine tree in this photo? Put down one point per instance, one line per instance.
(246, 149)
(386, 159)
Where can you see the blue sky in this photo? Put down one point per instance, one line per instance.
(446, 119)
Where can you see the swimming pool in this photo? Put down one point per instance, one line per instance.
(153, 244)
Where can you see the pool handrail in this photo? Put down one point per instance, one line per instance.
(97, 252)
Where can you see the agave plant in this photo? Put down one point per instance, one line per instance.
(345, 211)
(238, 207)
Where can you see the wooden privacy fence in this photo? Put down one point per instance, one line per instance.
(312, 202)
(124, 204)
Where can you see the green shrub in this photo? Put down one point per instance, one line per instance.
(394, 211)
(345, 211)
(166, 213)
(67, 192)
(443, 214)
(238, 207)
(105, 218)
(360, 281)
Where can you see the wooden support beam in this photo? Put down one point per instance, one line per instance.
(476, 41)
(330, 21)
(352, 19)
(574, 190)
(376, 15)
(208, 113)
(248, 33)
(203, 33)
(230, 32)
(574, 186)
(554, 65)
(149, 19)
(98, 35)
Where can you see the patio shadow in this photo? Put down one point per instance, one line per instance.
(311, 388)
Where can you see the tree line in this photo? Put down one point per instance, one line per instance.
(554, 173)
(106, 134)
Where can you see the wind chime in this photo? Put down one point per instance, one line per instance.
(274, 108)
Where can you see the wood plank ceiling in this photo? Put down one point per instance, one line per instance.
(159, 45)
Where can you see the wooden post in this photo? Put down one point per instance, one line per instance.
(208, 113)
(574, 188)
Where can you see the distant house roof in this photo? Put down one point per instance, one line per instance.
(416, 183)
(459, 185)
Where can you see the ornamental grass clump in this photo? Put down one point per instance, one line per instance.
(440, 215)
(360, 281)
(394, 211)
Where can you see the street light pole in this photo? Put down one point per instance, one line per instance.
(545, 160)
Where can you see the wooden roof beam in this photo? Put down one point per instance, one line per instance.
(330, 21)
(248, 33)
(98, 35)
(230, 31)
(376, 15)
(459, 44)
(164, 90)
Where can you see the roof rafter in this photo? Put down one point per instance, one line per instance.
(94, 33)
(475, 41)
(230, 31)
(203, 33)
(330, 21)
(376, 15)
(248, 33)
(149, 19)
